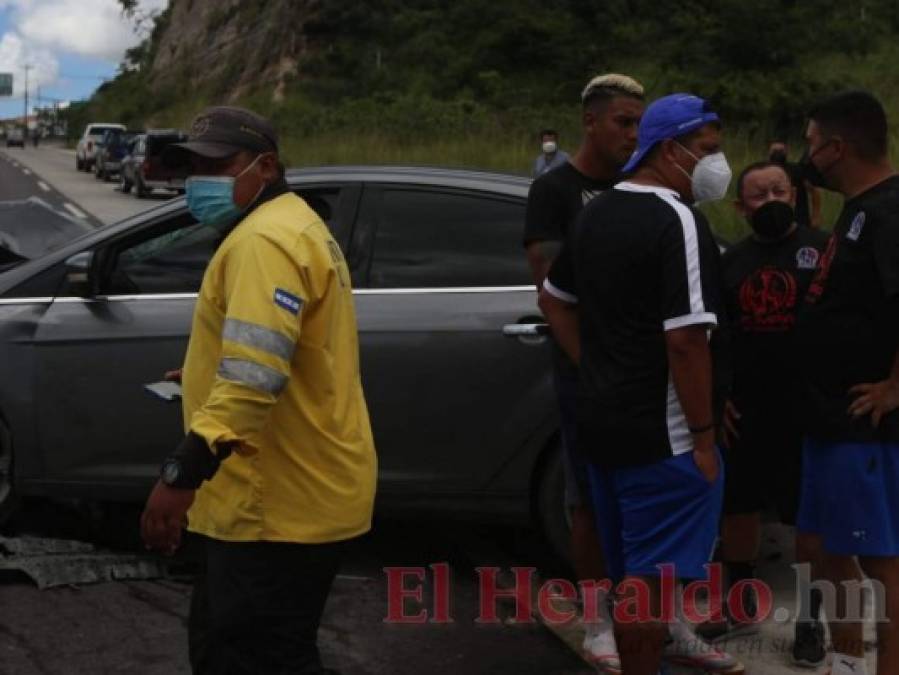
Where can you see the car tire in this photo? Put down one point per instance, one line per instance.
(99, 173)
(8, 499)
(552, 514)
(124, 185)
(140, 190)
(78, 164)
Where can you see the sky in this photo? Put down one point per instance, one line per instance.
(72, 46)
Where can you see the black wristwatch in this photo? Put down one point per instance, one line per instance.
(172, 473)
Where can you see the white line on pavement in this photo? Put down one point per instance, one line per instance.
(26, 172)
(43, 186)
(75, 211)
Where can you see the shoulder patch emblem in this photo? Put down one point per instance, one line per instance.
(855, 228)
(807, 258)
(288, 301)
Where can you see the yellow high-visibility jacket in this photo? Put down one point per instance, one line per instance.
(273, 364)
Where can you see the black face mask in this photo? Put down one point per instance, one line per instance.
(772, 219)
(810, 172)
(778, 156)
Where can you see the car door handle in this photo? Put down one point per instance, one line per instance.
(528, 333)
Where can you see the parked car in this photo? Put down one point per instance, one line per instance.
(86, 150)
(112, 148)
(455, 362)
(15, 136)
(142, 168)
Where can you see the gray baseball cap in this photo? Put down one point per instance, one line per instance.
(220, 132)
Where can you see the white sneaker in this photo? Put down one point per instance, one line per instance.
(685, 648)
(601, 650)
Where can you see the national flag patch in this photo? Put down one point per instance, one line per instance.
(288, 301)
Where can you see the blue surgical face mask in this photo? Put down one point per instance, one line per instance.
(210, 199)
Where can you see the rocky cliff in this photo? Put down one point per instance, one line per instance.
(232, 46)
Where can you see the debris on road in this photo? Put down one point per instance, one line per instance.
(63, 562)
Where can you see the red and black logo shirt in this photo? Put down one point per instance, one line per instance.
(848, 329)
(765, 284)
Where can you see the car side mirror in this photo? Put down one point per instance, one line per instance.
(78, 274)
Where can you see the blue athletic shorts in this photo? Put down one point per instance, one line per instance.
(850, 497)
(666, 512)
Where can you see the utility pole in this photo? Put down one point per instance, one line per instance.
(25, 119)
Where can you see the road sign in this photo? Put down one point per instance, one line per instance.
(5, 84)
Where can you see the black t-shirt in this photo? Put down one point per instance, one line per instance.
(765, 283)
(555, 200)
(848, 330)
(640, 262)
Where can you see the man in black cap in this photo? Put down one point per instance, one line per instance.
(277, 468)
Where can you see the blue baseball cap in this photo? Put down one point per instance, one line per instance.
(669, 117)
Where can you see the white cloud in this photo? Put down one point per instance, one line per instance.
(13, 57)
(93, 28)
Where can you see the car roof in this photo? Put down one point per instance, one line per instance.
(415, 175)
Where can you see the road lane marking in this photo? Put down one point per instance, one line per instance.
(26, 172)
(43, 186)
(74, 210)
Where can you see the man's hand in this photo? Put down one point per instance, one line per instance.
(879, 399)
(731, 420)
(705, 456)
(172, 376)
(164, 516)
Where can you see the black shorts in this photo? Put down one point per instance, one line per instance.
(764, 467)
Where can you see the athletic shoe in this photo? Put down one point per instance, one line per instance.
(809, 649)
(685, 648)
(601, 650)
(715, 631)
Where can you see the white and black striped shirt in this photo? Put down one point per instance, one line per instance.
(639, 262)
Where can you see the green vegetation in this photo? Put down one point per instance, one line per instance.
(469, 83)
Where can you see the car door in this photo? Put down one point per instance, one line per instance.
(97, 424)
(441, 277)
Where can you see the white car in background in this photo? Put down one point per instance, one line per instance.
(86, 150)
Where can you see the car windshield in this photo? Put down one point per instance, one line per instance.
(99, 131)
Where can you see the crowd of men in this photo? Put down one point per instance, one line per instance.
(783, 352)
(648, 317)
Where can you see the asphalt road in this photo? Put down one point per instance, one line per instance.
(138, 626)
(49, 170)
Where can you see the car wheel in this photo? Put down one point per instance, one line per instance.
(139, 189)
(78, 163)
(552, 513)
(124, 185)
(99, 173)
(7, 493)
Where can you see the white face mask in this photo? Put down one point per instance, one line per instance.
(549, 147)
(711, 177)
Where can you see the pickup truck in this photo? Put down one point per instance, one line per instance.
(86, 150)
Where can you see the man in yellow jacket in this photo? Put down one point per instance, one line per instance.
(277, 468)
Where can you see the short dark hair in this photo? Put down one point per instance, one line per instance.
(757, 166)
(858, 117)
(549, 132)
(600, 96)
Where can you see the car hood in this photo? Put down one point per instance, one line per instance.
(31, 227)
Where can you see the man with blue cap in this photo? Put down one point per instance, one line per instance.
(632, 298)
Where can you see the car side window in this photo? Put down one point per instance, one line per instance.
(171, 258)
(441, 239)
(335, 204)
